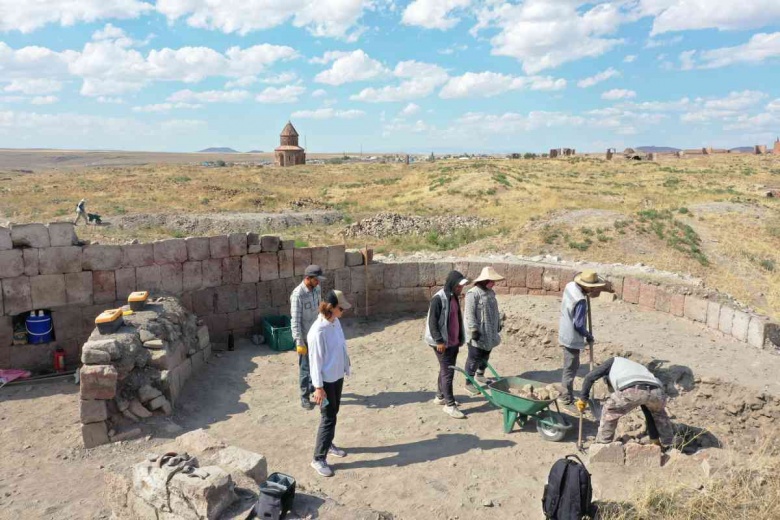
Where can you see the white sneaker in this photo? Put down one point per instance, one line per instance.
(321, 467)
(453, 412)
(441, 401)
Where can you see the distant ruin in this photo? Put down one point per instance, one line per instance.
(289, 153)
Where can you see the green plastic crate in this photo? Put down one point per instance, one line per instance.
(278, 333)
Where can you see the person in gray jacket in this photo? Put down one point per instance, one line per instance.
(304, 305)
(483, 325)
(573, 334)
(445, 333)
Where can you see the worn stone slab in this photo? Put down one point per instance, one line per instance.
(534, 276)
(95, 357)
(319, 256)
(631, 290)
(240, 319)
(101, 258)
(442, 269)
(301, 260)
(247, 296)
(250, 269)
(212, 272)
(148, 278)
(612, 453)
(677, 305)
(616, 285)
(518, 291)
(663, 300)
(695, 309)
(336, 258)
(93, 411)
(107, 345)
(756, 334)
(353, 257)
(287, 245)
(48, 290)
(198, 248)
(173, 250)
(426, 274)
(6, 330)
(30, 262)
(286, 263)
(392, 276)
(342, 280)
(17, 297)
(98, 382)
(103, 286)
(30, 235)
(567, 276)
(67, 323)
(62, 234)
(192, 276)
(376, 277)
(516, 275)
(253, 244)
(219, 246)
(172, 278)
(199, 442)
(643, 455)
(726, 319)
(12, 263)
(203, 337)
(59, 260)
(137, 255)
(247, 463)
(647, 294)
(94, 434)
(409, 274)
(5, 239)
(551, 279)
(268, 265)
(237, 244)
(740, 325)
(225, 299)
(231, 270)
(270, 243)
(280, 296)
(201, 498)
(125, 282)
(358, 279)
(203, 302)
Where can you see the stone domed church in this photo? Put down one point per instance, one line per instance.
(289, 153)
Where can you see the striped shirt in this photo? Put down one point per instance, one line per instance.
(304, 307)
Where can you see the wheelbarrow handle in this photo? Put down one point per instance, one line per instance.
(493, 370)
(474, 382)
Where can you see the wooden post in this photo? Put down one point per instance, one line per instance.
(365, 266)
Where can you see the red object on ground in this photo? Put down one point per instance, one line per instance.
(8, 375)
(59, 360)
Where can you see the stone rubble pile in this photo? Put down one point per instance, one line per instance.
(393, 224)
(139, 370)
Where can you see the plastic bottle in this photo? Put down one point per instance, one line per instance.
(231, 342)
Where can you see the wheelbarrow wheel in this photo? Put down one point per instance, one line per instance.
(549, 433)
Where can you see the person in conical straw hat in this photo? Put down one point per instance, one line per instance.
(573, 334)
(483, 325)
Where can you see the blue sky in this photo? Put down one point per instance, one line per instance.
(389, 75)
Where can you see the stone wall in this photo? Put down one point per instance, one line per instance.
(230, 282)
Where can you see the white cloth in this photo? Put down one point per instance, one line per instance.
(328, 356)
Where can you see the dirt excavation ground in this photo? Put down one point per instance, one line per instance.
(406, 457)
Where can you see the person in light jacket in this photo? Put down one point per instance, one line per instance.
(329, 362)
(304, 305)
(445, 333)
(483, 325)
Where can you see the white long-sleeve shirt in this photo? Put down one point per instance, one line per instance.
(328, 357)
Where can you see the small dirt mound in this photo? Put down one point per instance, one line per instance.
(394, 224)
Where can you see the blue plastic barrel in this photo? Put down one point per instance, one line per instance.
(38, 329)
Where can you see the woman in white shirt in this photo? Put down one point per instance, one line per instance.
(329, 363)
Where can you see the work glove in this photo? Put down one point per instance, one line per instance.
(475, 335)
(302, 350)
(590, 340)
(581, 405)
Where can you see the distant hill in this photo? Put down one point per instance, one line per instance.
(219, 149)
(657, 149)
(255, 151)
(744, 149)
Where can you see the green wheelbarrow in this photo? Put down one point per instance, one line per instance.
(551, 425)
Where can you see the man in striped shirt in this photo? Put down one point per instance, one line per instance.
(304, 307)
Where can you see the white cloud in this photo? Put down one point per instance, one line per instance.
(774, 105)
(26, 16)
(33, 86)
(489, 84)
(598, 78)
(512, 122)
(618, 93)
(164, 107)
(319, 93)
(278, 79)
(110, 100)
(420, 80)
(631, 58)
(288, 94)
(328, 113)
(351, 67)
(241, 82)
(410, 109)
(453, 49)
(760, 48)
(654, 44)
(418, 127)
(545, 34)
(44, 100)
(209, 96)
(685, 15)
(726, 109)
(433, 14)
(328, 18)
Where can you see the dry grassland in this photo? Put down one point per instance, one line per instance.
(702, 215)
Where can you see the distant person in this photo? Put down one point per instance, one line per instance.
(304, 304)
(329, 361)
(81, 212)
(632, 385)
(573, 334)
(445, 333)
(483, 325)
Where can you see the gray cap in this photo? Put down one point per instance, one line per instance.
(314, 270)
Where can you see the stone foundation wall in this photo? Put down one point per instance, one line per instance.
(230, 282)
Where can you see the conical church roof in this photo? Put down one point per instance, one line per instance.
(289, 130)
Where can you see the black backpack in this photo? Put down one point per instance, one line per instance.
(568, 493)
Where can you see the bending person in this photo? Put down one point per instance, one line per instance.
(329, 362)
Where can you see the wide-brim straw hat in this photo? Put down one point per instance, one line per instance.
(488, 274)
(589, 278)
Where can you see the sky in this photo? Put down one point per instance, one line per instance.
(389, 75)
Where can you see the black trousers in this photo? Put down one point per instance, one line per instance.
(327, 430)
(477, 360)
(446, 359)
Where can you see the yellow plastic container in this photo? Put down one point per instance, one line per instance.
(137, 300)
(109, 321)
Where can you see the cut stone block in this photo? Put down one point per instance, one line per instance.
(427, 275)
(713, 314)
(59, 260)
(253, 245)
(212, 272)
(226, 299)
(171, 276)
(516, 275)
(231, 270)
(286, 264)
(170, 251)
(201, 498)
(198, 441)
(203, 302)
(409, 275)
(203, 337)
(756, 334)
(103, 286)
(237, 244)
(392, 276)
(5, 239)
(301, 260)
(192, 276)
(94, 434)
(353, 257)
(148, 278)
(93, 411)
(198, 248)
(17, 297)
(147, 392)
(663, 301)
(108, 346)
(125, 282)
(240, 320)
(30, 262)
(248, 463)
(319, 256)
(288, 245)
(250, 269)
(30, 235)
(78, 288)
(48, 290)
(12, 263)
(631, 290)
(101, 258)
(270, 243)
(740, 325)
(695, 309)
(95, 357)
(677, 305)
(137, 255)
(336, 258)
(219, 246)
(726, 319)
(98, 382)
(62, 234)
(533, 277)
(442, 269)
(247, 296)
(268, 266)
(643, 455)
(612, 453)
(139, 410)
(550, 279)
(154, 344)
(647, 296)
